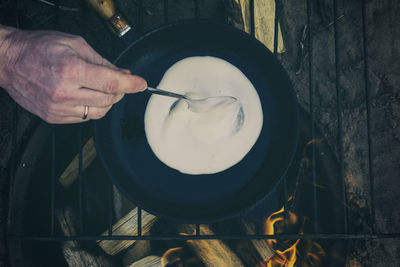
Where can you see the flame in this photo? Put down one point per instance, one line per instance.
(286, 258)
(315, 141)
(306, 159)
(172, 255)
(291, 256)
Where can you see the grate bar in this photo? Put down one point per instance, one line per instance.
(367, 102)
(252, 31)
(80, 182)
(14, 131)
(53, 179)
(110, 208)
(276, 28)
(285, 203)
(14, 134)
(311, 92)
(285, 190)
(339, 115)
(221, 237)
(139, 221)
(197, 229)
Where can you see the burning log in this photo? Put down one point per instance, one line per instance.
(71, 172)
(139, 250)
(264, 21)
(127, 225)
(211, 252)
(261, 246)
(180, 256)
(149, 261)
(73, 254)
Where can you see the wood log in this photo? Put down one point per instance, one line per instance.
(73, 254)
(180, 256)
(263, 249)
(139, 250)
(264, 24)
(264, 21)
(71, 172)
(234, 15)
(149, 261)
(211, 252)
(127, 225)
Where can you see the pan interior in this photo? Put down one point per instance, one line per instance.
(130, 162)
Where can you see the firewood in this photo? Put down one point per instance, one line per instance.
(261, 245)
(127, 225)
(71, 172)
(264, 21)
(235, 16)
(149, 261)
(211, 252)
(73, 254)
(137, 251)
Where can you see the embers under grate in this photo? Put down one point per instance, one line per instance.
(39, 222)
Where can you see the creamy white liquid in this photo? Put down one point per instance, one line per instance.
(203, 142)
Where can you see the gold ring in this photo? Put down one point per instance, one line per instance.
(85, 113)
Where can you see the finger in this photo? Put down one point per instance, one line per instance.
(85, 96)
(66, 120)
(105, 79)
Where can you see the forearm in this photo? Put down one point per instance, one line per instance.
(5, 45)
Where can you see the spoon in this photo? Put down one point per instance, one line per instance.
(197, 105)
(205, 104)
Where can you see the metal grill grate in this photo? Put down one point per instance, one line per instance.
(317, 235)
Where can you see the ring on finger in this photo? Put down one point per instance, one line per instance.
(85, 113)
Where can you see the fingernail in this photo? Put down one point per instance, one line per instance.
(143, 86)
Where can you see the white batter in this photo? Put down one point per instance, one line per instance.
(203, 142)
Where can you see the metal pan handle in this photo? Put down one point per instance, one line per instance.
(115, 21)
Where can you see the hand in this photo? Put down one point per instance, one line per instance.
(54, 75)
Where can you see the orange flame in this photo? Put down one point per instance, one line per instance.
(286, 258)
(290, 256)
(171, 256)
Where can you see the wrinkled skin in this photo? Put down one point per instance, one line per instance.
(54, 75)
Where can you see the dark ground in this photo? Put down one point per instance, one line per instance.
(383, 46)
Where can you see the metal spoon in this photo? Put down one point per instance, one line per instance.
(197, 105)
(204, 104)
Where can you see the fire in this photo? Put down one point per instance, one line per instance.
(172, 255)
(289, 257)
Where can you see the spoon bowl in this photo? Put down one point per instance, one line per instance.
(201, 105)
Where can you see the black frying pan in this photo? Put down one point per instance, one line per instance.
(250, 187)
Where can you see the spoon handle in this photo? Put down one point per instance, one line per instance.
(165, 93)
